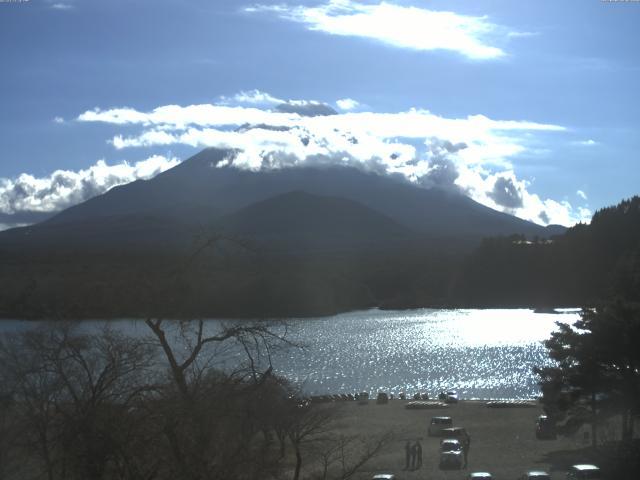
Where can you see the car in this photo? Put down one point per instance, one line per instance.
(451, 454)
(545, 428)
(438, 424)
(583, 472)
(382, 398)
(363, 398)
(450, 396)
(383, 476)
(536, 475)
(479, 476)
(459, 433)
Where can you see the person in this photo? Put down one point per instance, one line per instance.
(466, 445)
(414, 454)
(418, 447)
(407, 455)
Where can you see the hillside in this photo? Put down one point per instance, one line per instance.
(586, 264)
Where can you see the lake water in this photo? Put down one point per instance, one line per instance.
(481, 353)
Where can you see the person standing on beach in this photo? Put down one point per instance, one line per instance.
(407, 455)
(466, 445)
(418, 448)
(414, 454)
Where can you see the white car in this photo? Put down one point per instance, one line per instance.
(384, 476)
(583, 472)
(451, 454)
(480, 476)
(438, 424)
(536, 475)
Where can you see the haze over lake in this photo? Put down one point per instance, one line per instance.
(482, 353)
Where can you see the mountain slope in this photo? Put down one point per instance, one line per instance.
(298, 221)
(197, 191)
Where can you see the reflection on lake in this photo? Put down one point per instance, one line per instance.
(482, 353)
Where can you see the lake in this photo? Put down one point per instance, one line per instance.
(481, 353)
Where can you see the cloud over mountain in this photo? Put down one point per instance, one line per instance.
(23, 197)
(474, 155)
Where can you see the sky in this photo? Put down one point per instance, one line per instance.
(529, 107)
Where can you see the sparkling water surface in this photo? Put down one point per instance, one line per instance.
(481, 353)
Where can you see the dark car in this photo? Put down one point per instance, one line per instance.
(583, 472)
(438, 424)
(459, 433)
(451, 454)
(545, 428)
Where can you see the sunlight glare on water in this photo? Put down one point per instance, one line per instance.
(482, 353)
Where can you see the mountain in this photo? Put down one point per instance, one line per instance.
(300, 221)
(199, 193)
(289, 242)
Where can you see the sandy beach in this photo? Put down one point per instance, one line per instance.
(503, 440)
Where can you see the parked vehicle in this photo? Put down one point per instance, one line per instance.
(536, 475)
(583, 472)
(438, 424)
(363, 398)
(545, 428)
(383, 476)
(459, 433)
(451, 455)
(451, 397)
(382, 398)
(480, 476)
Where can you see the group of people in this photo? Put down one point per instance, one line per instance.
(413, 455)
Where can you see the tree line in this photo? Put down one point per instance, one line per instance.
(80, 404)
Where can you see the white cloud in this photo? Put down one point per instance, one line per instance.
(581, 194)
(473, 154)
(347, 104)
(64, 188)
(62, 6)
(251, 97)
(399, 26)
(522, 34)
(58, 120)
(586, 143)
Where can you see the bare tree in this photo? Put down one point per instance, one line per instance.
(71, 390)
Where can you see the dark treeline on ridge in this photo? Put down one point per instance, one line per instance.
(586, 264)
(232, 277)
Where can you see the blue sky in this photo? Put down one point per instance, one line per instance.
(530, 107)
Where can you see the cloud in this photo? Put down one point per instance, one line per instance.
(522, 34)
(29, 195)
(306, 108)
(58, 120)
(347, 104)
(62, 6)
(473, 155)
(586, 143)
(506, 193)
(398, 26)
(581, 194)
(251, 97)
